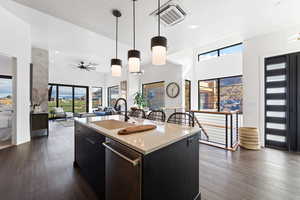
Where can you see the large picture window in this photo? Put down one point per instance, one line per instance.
(71, 98)
(96, 97)
(221, 94)
(155, 95)
(112, 95)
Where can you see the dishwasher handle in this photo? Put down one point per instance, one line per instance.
(133, 162)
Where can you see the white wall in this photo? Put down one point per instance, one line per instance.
(255, 51)
(5, 65)
(16, 42)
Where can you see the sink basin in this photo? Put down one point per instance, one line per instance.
(113, 124)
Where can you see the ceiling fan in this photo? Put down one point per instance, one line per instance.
(86, 66)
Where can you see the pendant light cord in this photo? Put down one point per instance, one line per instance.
(117, 30)
(134, 24)
(158, 17)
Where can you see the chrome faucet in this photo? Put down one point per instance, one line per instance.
(126, 112)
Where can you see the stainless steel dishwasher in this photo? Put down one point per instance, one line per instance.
(123, 172)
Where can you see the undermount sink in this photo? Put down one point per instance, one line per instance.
(113, 124)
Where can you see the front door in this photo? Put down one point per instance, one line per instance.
(281, 102)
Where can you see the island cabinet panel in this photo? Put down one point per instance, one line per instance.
(123, 172)
(90, 157)
(172, 172)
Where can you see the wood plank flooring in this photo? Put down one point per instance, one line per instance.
(43, 169)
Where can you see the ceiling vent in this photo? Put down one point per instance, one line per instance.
(171, 13)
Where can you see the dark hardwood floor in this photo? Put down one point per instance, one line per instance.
(43, 170)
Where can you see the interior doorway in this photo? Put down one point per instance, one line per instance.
(6, 102)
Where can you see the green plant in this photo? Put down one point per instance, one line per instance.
(140, 100)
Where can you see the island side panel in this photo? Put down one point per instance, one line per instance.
(90, 157)
(173, 172)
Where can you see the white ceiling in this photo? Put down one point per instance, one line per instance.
(213, 19)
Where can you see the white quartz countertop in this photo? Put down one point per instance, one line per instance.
(143, 142)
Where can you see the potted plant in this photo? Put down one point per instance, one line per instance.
(140, 100)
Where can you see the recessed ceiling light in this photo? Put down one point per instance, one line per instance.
(193, 26)
(56, 52)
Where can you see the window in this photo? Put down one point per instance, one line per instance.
(231, 94)
(80, 99)
(112, 95)
(52, 99)
(209, 55)
(231, 50)
(96, 97)
(222, 94)
(65, 98)
(208, 95)
(221, 52)
(5, 91)
(155, 95)
(187, 95)
(70, 97)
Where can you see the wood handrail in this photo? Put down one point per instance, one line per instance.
(215, 113)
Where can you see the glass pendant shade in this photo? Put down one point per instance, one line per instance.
(116, 67)
(159, 50)
(134, 61)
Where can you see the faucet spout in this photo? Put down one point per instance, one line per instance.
(126, 111)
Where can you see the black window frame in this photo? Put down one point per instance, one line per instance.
(101, 95)
(73, 90)
(218, 50)
(218, 87)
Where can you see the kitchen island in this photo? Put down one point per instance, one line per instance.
(161, 164)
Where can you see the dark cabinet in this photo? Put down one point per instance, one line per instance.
(117, 172)
(90, 157)
(39, 121)
(173, 172)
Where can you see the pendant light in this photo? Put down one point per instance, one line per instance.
(116, 64)
(134, 56)
(159, 45)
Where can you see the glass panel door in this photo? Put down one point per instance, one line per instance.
(65, 98)
(80, 100)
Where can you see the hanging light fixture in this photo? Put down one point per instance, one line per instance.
(134, 56)
(159, 45)
(116, 64)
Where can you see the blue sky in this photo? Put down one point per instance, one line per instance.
(5, 87)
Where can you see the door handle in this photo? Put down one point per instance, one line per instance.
(133, 162)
